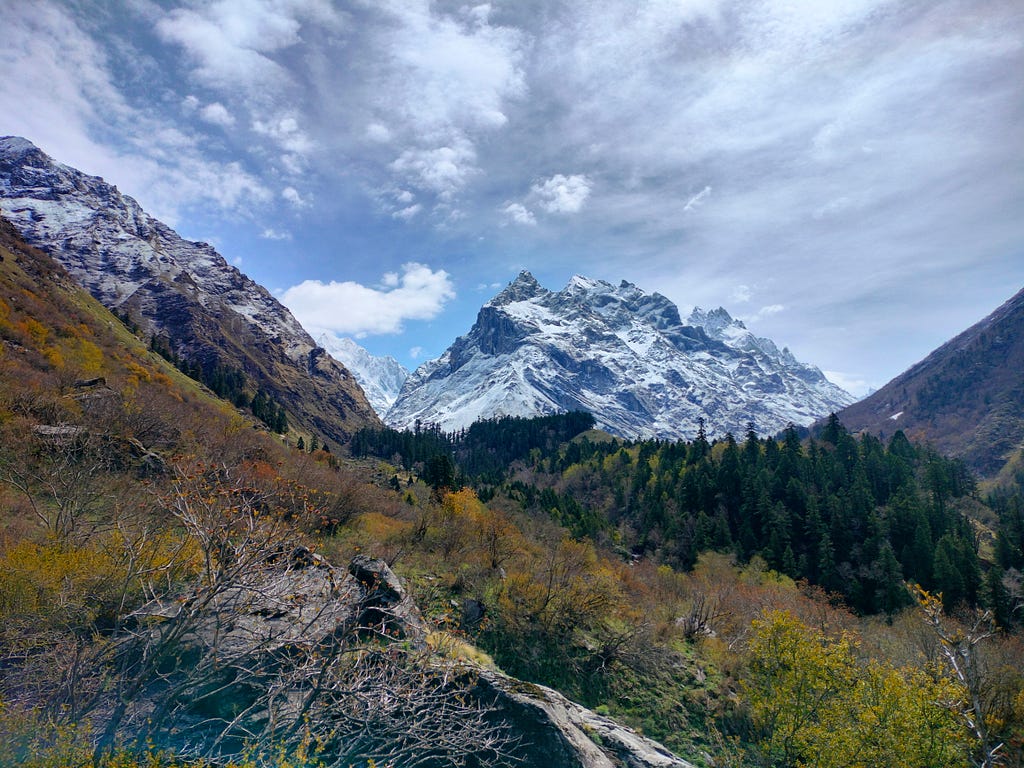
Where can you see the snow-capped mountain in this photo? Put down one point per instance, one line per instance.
(621, 354)
(208, 312)
(380, 377)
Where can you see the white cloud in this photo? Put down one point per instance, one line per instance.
(407, 213)
(519, 213)
(741, 294)
(217, 114)
(286, 132)
(273, 234)
(442, 170)
(420, 293)
(237, 261)
(441, 83)
(697, 199)
(291, 194)
(764, 312)
(415, 353)
(378, 133)
(232, 42)
(562, 194)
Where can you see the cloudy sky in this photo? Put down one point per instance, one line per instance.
(847, 176)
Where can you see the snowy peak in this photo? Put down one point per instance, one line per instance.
(715, 321)
(209, 314)
(523, 288)
(621, 354)
(380, 377)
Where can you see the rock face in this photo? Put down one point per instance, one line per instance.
(565, 734)
(208, 312)
(966, 398)
(380, 377)
(621, 354)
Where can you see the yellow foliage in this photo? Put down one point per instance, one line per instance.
(376, 527)
(47, 580)
(35, 330)
(86, 356)
(451, 647)
(54, 357)
(813, 705)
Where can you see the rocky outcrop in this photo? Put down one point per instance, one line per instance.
(559, 732)
(243, 658)
(203, 309)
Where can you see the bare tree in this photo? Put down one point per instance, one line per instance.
(270, 650)
(961, 649)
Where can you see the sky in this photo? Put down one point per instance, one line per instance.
(845, 176)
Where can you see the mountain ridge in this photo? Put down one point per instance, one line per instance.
(965, 397)
(619, 353)
(205, 310)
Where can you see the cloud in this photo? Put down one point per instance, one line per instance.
(741, 294)
(273, 234)
(441, 170)
(291, 194)
(562, 194)
(415, 353)
(697, 199)
(407, 213)
(419, 293)
(232, 44)
(217, 114)
(284, 130)
(519, 213)
(764, 312)
(441, 83)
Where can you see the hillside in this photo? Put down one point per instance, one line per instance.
(966, 398)
(161, 593)
(620, 354)
(173, 584)
(198, 310)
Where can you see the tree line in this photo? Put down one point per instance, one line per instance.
(853, 514)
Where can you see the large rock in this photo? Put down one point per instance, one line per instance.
(560, 732)
(251, 636)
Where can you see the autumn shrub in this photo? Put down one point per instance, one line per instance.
(812, 704)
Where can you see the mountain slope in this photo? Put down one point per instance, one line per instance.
(380, 377)
(206, 311)
(966, 397)
(619, 353)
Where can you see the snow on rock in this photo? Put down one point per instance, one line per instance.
(380, 377)
(621, 354)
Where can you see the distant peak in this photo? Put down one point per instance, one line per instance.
(712, 320)
(582, 281)
(524, 287)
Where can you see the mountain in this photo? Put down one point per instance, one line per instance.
(380, 377)
(966, 397)
(200, 310)
(621, 354)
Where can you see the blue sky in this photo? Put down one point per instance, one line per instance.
(847, 176)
